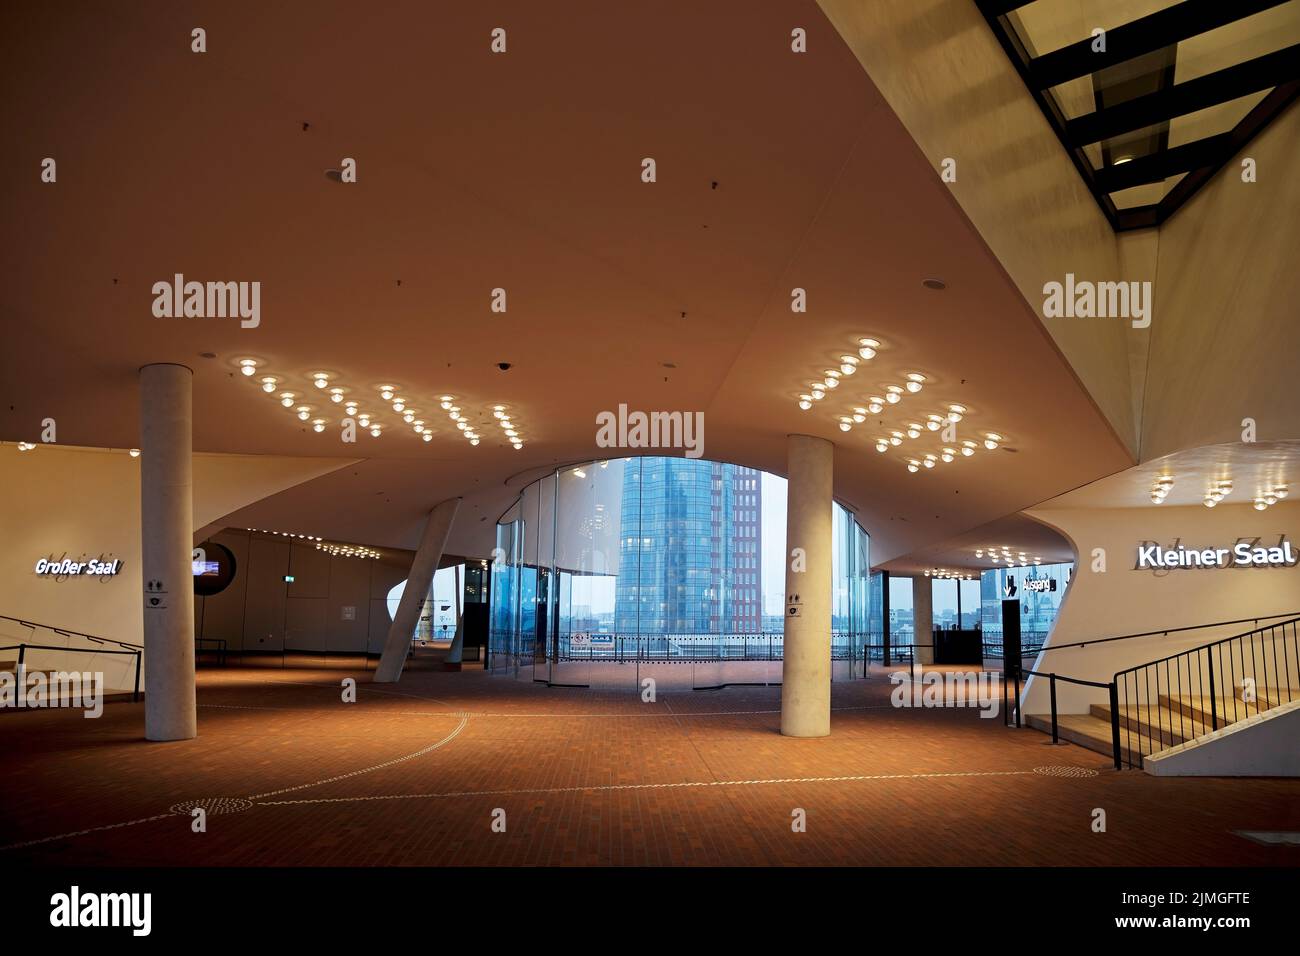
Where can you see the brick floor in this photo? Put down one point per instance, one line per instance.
(591, 777)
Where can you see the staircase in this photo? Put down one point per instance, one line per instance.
(1181, 698)
(1144, 729)
(47, 650)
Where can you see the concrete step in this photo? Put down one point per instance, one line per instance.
(1091, 733)
(1159, 726)
(1269, 697)
(1227, 709)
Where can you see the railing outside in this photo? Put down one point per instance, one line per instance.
(667, 648)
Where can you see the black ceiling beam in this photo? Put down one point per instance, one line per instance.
(998, 8)
(1252, 76)
(1254, 121)
(1138, 217)
(1145, 35)
(1157, 167)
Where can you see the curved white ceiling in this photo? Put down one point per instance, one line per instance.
(518, 171)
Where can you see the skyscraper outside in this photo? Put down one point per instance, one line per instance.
(692, 562)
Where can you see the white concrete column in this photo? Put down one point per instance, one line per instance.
(806, 670)
(923, 618)
(398, 644)
(166, 534)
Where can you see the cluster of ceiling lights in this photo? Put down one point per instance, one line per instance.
(1161, 487)
(508, 426)
(892, 394)
(390, 394)
(29, 445)
(1217, 491)
(944, 574)
(284, 534)
(347, 550)
(462, 423)
(848, 364)
(1003, 555)
(948, 453)
(1269, 498)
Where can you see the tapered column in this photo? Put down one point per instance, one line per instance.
(167, 528)
(457, 650)
(398, 644)
(923, 618)
(806, 671)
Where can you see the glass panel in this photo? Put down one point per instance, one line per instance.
(1039, 590)
(673, 566)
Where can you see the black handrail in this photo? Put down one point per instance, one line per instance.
(1181, 680)
(22, 657)
(69, 633)
(1175, 630)
(1052, 678)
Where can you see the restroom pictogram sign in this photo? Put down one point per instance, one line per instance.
(155, 595)
(793, 606)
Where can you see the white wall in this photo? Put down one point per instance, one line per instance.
(1124, 601)
(86, 501)
(260, 612)
(1259, 746)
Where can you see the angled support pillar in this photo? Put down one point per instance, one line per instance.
(166, 533)
(923, 618)
(806, 668)
(398, 644)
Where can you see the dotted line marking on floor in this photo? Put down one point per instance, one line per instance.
(655, 786)
(379, 766)
(566, 716)
(171, 813)
(77, 833)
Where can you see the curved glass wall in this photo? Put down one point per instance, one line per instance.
(673, 566)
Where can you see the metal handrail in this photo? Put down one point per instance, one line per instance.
(22, 656)
(69, 633)
(1183, 679)
(1052, 678)
(1224, 640)
(1176, 630)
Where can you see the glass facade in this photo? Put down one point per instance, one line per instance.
(657, 559)
(1039, 590)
